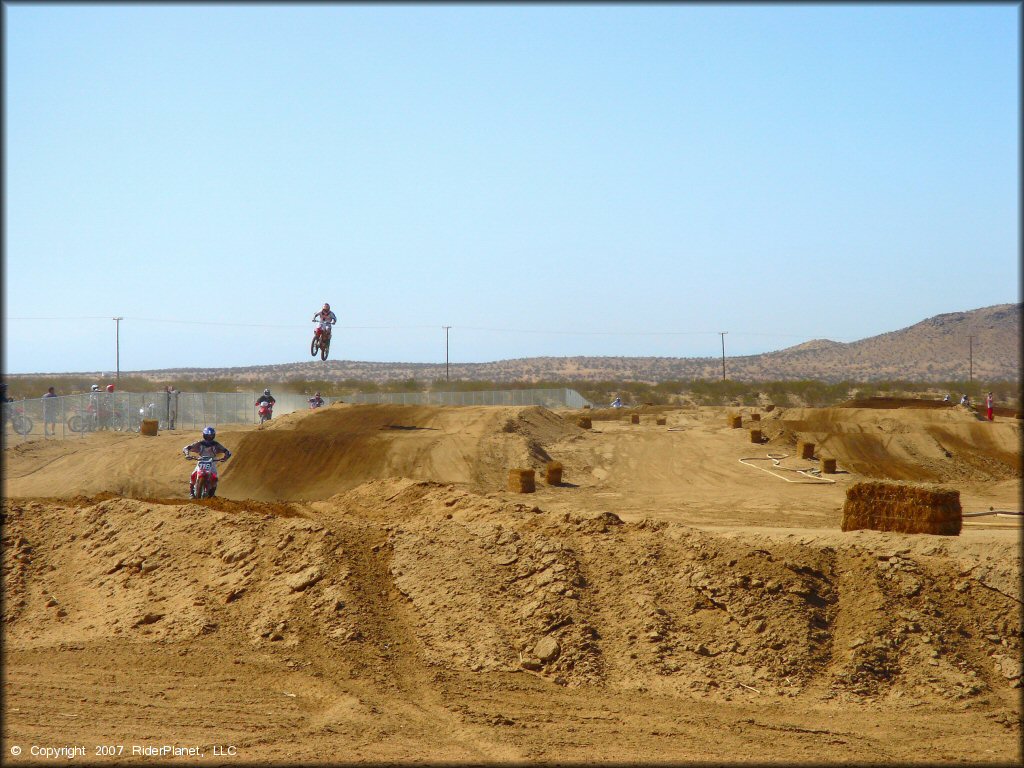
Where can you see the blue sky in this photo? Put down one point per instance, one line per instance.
(546, 179)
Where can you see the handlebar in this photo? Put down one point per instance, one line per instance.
(190, 457)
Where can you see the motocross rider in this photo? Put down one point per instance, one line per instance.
(326, 318)
(266, 397)
(316, 401)
(208, 447)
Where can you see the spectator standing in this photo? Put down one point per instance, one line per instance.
(172, 405)
(988, 406)
(50, 407)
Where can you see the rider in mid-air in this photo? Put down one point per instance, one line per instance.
(208, 447)
(326, 318)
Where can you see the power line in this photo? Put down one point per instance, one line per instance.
(535, 331)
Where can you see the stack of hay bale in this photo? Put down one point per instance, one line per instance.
(905, 509)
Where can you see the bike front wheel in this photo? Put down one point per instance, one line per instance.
(314, 346)
(21, 424)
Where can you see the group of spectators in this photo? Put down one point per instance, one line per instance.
(97, 402)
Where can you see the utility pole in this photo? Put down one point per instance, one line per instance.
(722, 334)
(970, 358)
(446, 327)
(117, 348)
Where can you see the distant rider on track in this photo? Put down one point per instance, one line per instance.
(316, 401)
(208, 447)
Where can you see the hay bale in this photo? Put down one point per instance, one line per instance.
(149, 427)
(904, 509)
(755, 417)
(828, 466)
(755, 436)
(634, 418)
(584, 422)
(553, 473)
(805, 450)
(735, 420)
(521, 481)
(661, 421)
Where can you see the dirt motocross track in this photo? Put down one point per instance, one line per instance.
(364, 589)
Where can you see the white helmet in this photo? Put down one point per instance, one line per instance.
(266, 391)
(95, 387)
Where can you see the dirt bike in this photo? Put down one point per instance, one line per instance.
(20, 423)
(266, 411)
(92, 419)
(321, 341)
(204, 477)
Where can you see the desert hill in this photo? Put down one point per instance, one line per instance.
(936, 349)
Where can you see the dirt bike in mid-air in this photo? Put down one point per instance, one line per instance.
(321, 341)
(265, 411)
(203, 480)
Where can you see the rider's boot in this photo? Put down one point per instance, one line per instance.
(191, 491)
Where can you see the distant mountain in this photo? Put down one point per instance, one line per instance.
(936, 349)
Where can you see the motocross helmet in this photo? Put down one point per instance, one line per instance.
(327, 307)
(95, 387)
(209, 433)
(110, 387)
(266, 391)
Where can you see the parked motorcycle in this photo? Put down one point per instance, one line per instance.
(265, 411)
(92, 419)
(20, 423)
(203, 479)
(321, 341)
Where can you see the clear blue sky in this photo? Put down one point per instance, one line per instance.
(546, 179)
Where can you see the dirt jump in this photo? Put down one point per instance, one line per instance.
(365, 588)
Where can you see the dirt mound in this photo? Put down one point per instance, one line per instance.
(502, 587)
(926, 444)
(888, 403)
(322, 453)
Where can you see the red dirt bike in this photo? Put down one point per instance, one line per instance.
(321, 341)
(203, 481)
(265, 411)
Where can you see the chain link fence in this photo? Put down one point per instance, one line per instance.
(71, 416)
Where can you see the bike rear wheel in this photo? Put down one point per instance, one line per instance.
(117, 422)
(21, 424)
(324, 349)
(76, 423)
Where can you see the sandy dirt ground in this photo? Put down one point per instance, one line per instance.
(365, 589)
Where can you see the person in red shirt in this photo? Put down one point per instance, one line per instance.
(988, 406)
